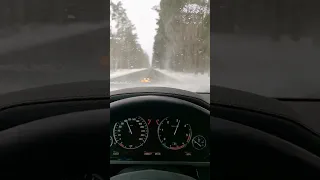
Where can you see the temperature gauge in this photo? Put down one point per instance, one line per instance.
(199, 142)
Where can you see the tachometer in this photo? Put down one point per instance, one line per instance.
(174, 134)
(131, 133)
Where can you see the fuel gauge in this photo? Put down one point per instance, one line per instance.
(199, 142)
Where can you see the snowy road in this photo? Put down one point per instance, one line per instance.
(162, 78)
(134, 79)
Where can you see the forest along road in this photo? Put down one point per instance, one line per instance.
(145, 77)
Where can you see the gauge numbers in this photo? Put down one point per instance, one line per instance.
(174, 134)
(131, 133)
(111, 141)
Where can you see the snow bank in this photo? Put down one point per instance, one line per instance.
(189, 81)
(122, 72)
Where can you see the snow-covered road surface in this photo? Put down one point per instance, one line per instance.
(162, 78)
(122, 72)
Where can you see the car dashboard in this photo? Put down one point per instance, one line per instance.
(169, 129)
(149, 128)
(153, 129)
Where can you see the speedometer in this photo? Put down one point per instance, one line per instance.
(131, 133)
(174, 134)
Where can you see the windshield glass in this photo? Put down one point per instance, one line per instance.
(270, 47)
(160, 43)
(45, 42)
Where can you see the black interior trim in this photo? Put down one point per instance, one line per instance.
(154, 99)
(266, 114)
(159, 91)
(39, 102)
(283, 128)
(286, 119)
(249, 101)
(195, 164)
(225, 132)
(68, 139)
(299, 99)
(199, 102)
(11, 116)
(66, 91)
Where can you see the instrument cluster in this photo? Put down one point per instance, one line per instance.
(169, 138)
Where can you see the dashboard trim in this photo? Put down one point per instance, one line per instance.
(161, 163)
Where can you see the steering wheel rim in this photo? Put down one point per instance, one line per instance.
(151, 175)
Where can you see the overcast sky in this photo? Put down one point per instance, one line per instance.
(144, 18)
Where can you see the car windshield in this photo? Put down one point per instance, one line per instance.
(268, 47)
(162, 43)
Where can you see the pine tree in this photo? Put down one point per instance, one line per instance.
(125, 51)
(182, 41)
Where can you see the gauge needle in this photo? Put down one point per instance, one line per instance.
(176, 128)
(197, 142)
(129, 127)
